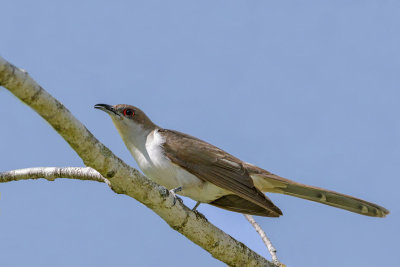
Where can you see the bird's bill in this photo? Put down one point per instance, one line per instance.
(106, 108)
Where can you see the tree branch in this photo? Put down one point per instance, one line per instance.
(90, 174)
(123, 178)
(265, 239)
(52, 173)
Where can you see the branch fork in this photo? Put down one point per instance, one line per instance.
(104, 166)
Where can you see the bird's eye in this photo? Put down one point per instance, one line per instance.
(128, 112)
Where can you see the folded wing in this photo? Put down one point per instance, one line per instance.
(214, 165)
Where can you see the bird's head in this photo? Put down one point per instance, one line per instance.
(129, 120)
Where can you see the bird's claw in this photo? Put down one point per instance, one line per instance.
(173, 193)
(195, 206)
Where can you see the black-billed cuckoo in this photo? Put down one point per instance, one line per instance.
(207, 174)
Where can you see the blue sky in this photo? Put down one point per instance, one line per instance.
(309, 90)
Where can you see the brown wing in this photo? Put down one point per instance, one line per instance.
(214, 165)
(239, 204)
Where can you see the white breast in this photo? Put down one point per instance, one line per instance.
(156, 166)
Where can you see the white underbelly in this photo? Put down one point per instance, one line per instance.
(156, 166)
(172, 176)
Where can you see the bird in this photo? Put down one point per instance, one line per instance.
(190, 167)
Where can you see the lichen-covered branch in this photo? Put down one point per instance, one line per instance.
(123, 178)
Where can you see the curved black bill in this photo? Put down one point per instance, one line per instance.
(105, 107)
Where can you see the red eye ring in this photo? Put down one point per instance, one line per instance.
(128, 112)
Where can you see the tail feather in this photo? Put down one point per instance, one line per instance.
(335, 199)
(268, 182)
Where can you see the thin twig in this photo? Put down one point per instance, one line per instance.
(265, 239)
(52, 173)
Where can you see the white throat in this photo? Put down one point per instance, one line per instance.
(133, 134)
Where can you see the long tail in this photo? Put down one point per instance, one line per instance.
(268, 182)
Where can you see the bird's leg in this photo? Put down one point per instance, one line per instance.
(173, 193)
(195, 206)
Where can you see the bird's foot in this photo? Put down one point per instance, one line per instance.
(198, 214)
(195, 206)
(173, 193)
